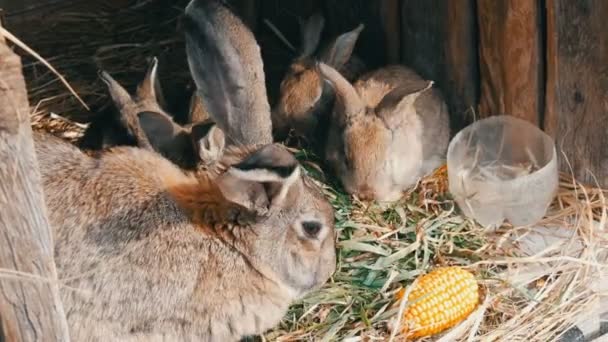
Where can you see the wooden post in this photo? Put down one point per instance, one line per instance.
(30, 306)
(439, 41)
(510, 59)
(577, 86)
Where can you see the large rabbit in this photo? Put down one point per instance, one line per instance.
(387, 130)
(305, 101)
(149, 252)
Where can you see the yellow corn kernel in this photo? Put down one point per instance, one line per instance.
(439, 301)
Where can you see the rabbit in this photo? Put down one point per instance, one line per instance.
(104, 131)
(142, 118)
(226, 65)
(154, 129)
(304, 100)
(387, 130)
(147, 251)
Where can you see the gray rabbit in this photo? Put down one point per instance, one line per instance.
(147, 251)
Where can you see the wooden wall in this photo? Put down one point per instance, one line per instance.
(545, 61)
(542, 60)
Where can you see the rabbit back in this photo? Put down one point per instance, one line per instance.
(136, 261)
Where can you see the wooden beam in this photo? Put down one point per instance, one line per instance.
(577, 86)
(390, 18)
(510, 59)
(439, 41)
(30, 306)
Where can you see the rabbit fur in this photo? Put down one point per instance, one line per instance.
(144, 249)
(387, 130)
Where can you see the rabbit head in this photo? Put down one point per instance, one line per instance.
(270, 181)
(374, 145)
(304, 100)
(198, 144)
(226, 65)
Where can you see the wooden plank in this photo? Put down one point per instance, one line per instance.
(390, 18)
(30, 307)
(439, 41)
(510, 58)
(577, 86)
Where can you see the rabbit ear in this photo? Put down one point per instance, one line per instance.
(348, 103)
(120, 96)
(150, 87)
(399, 100)
(209, 141)
(310, 31)
(226, 65)
(197, 112)
(125, 104)
(263, 180)
(158, 128)
(341, 49)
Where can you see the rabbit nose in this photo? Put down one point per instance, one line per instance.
(366, 193)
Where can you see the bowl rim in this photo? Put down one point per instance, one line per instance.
(528, 177)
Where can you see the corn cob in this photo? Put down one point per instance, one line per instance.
(440, 300)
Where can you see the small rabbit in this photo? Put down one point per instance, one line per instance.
(387, 131)
(104, 131)
(305, 101)
(148, 252)
(153, 129)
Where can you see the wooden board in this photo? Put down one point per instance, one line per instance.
(577, 86)
(30, 307)
(510, 58)
(439, 40)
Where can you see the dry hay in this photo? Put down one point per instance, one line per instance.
(533, 291)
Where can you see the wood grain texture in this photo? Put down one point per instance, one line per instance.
(510, 58)
(439, 41)
(30, 307)
(577, 86)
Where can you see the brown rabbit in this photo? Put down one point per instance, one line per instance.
(387, 131)
(305, 101)
(153, 129)
(148, 252)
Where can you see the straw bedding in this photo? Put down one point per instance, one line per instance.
(536, 281)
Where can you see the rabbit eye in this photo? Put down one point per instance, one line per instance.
(312, 228)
